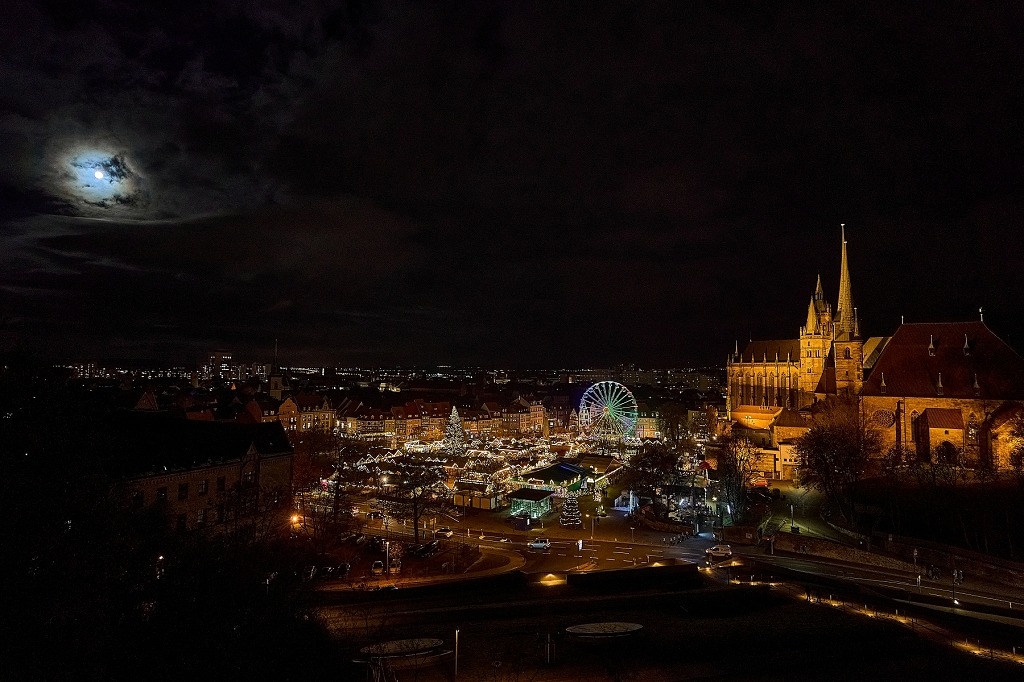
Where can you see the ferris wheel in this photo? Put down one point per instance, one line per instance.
(608, 410)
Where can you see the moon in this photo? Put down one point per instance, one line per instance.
(101, 179)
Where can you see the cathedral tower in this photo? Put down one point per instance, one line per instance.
(848, 349)
(846, 314)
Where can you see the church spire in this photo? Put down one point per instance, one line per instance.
(846, 314)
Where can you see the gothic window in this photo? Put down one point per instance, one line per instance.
(972, 430)
(846, 353)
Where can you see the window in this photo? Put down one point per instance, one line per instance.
(204, 486)
(219, 513)
(248, 476)
(220, 484)
(183, 491)
(182, 523)
(201, 517)
(972, 430)
(138, 499)
(846, 353)
(161, 493)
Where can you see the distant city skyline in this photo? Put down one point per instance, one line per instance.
(508, 184)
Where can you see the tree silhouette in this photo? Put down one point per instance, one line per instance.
(836, 452)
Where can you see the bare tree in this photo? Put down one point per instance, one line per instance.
(736, 459)
(651, 467)
(674, 425)
(313, 454)
(836, 452)
(413, 488)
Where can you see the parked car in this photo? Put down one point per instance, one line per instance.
(718, 552)
(539, 543)
(336, 571)
(444, 532)
(377, 568)
(760, 495)
(427, 550)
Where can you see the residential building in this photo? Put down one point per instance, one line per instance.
(202, 473)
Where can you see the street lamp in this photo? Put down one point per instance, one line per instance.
(592, 519)
(387, 557)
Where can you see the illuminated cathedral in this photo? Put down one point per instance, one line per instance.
(826, 358)
(940, 391)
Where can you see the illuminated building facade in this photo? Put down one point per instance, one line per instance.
(946, 392)
(826, 358)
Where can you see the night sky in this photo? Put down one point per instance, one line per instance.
(505, 184)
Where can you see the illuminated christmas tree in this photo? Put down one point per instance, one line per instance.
(570, 515)
(454, 436)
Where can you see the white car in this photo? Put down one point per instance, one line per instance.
(718, 552)
(539, 543)
(443, 532)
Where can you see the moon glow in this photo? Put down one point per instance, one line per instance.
(102, 179)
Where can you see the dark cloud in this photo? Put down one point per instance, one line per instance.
(507, 183)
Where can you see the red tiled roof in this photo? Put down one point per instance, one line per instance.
(308, 400)
(910, 369)
(943, 418)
